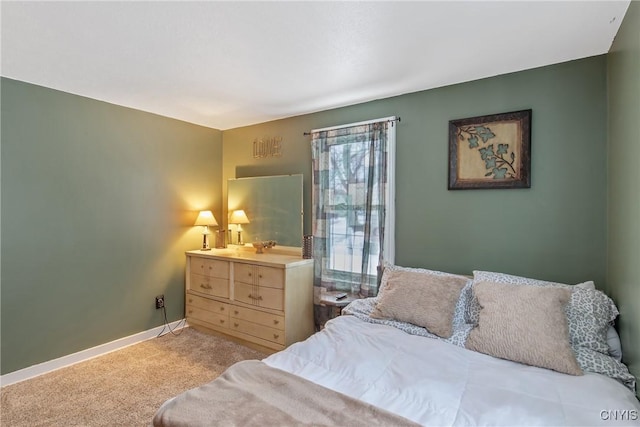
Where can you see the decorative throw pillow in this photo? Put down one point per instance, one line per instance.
(589, 313)
(473, 309)
(525, 324)
(388, 269)
(420, 298)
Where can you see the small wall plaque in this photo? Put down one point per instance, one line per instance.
(267, 147)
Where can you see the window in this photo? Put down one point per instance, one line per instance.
(353, 209)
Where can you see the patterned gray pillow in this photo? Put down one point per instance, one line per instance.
(589, 314)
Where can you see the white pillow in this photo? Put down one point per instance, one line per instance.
(615, 347)
(587, 285)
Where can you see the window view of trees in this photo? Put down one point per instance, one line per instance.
(351, 193)
(347, 175)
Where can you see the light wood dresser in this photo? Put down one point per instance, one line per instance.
(264, 300)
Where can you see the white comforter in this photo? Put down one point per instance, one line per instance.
(439, 384)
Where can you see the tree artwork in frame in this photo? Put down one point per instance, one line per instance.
(490, 151)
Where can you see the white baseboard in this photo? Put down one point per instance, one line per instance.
(81, 356)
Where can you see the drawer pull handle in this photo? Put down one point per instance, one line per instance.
(190, 311)
(275, 322)
(205, 286)
(260, 276)
(236, 325)
(249, 274)
(276, 336)
(235, 312)
(221, 320)
(258, 298)
(221, 308)
(190, 300)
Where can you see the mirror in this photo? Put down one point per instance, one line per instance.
(273, 205)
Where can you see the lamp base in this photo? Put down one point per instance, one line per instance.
(205, 242)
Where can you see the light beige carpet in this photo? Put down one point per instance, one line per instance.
(123, 388)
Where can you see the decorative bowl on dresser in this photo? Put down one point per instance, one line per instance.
(264, 300)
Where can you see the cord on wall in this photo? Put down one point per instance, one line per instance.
(166, 325)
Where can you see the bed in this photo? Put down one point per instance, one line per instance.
(369, 368)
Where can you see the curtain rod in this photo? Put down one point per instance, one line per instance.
(388, 119)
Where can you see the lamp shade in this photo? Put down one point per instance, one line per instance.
(238, 217)
(206, 218)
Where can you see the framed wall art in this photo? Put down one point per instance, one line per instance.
(490, 151)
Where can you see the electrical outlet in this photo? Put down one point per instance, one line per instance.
(160, 301)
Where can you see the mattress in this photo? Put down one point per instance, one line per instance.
(435, 383)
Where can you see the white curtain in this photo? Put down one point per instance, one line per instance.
(349, 207)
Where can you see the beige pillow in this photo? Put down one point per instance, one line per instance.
(526, 324)
(423, 299)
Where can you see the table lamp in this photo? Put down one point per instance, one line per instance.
(238, 217)
(205, 219)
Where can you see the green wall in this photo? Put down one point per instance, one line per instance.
(98, 203)
(98, 200)
(555, 230)
(623, 268)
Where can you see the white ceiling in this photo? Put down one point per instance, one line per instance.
(230, 64)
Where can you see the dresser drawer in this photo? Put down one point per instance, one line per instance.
(259, 296)
(209, 285)
(219, 320)
(259, 331)
(210, 267)
(207, 304)
(270, 277)
(255, 316)
(265, 302)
